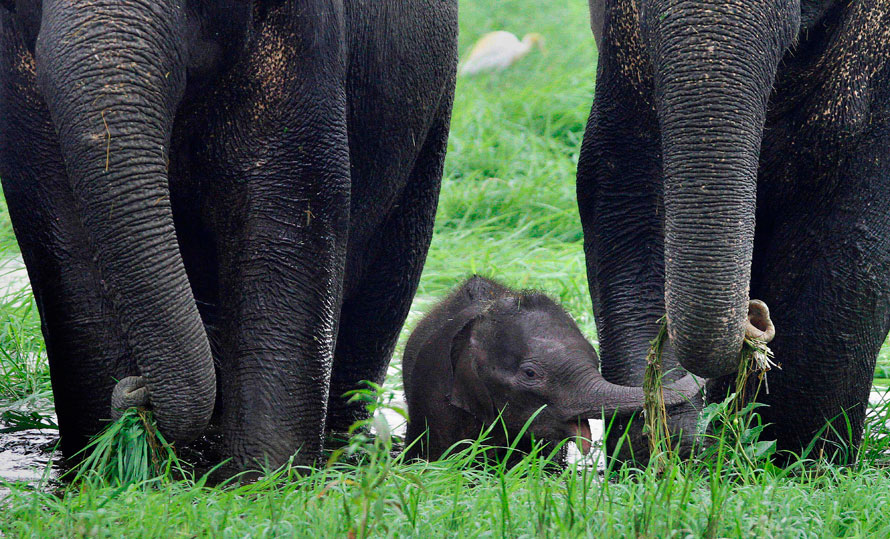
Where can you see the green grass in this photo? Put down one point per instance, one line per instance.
(453, 501)
(131, 450)
(507, 210)
(382, 496)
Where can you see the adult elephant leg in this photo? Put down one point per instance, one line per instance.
(400, 95)
(376, 308)
(87, 352)
(824, 271)
(112, 74)
(620, 202)
(280, 184)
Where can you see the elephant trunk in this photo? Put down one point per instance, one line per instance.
(601, 398)
(714, 63)
(113, 108)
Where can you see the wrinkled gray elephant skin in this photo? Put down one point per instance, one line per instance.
(232, 200)
(736, 150)
(488, 354)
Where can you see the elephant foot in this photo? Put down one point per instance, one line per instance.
(341, 415)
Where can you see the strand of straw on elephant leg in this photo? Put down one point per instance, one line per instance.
(107, 142)
(655, 415)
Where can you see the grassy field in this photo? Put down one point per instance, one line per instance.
(507, 210)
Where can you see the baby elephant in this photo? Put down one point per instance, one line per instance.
(489, 350)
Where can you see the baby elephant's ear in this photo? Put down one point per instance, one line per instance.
(444, 359)
(468, 391)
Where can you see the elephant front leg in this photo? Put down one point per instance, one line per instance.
(86, 349)
(824, 271)
(281, 288)
(282, 218)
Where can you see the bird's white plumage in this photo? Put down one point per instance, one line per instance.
(496, 51)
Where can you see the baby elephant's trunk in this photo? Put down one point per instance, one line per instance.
(604, 399)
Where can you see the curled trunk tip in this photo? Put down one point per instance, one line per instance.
(760, 325)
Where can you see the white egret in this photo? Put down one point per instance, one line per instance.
(496, 51)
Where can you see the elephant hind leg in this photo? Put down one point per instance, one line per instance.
(377, 304)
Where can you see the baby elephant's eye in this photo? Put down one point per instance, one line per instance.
(529, 373)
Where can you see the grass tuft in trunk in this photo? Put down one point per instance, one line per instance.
(734, 424)
(755, 359)
(129, 451)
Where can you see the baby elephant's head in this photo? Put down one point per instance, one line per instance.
(513, 353)
(523, 353)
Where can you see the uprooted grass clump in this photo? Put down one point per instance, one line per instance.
(654, 414)
(130, 451)
(735, 413)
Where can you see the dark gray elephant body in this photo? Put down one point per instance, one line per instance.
(487, 352)
(741, 149)
(216, 194)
